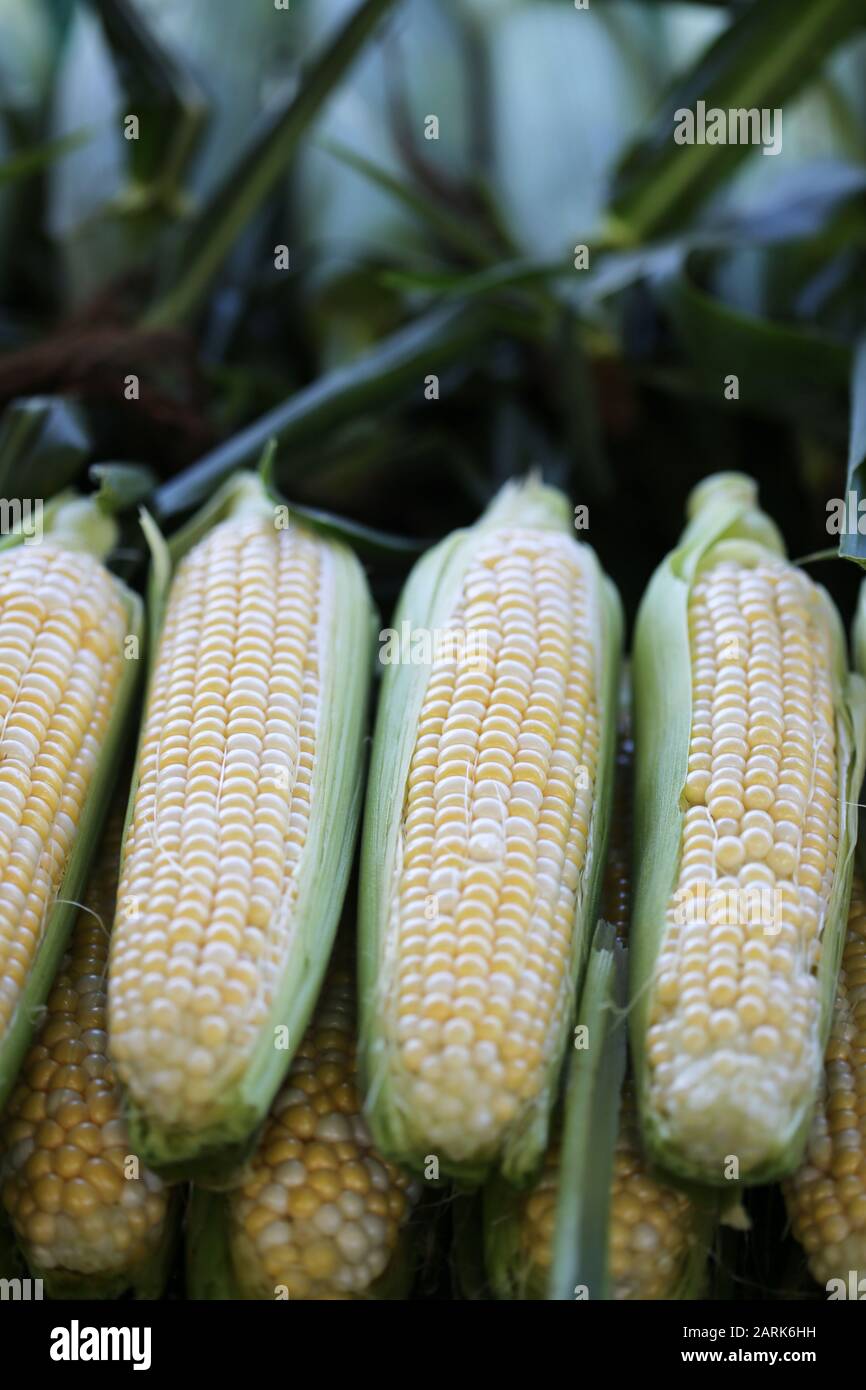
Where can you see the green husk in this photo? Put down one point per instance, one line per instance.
(858, 632)
(725, 522)
(211, 1154)
(78, 524)
(589, 1128)
(210, 1270)
(468, 1271)
(426, 604)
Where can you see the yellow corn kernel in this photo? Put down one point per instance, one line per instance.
(735, 1005)
(826, 1197)
(495, 827)
(208, 882)
(77, 1203)
(62, 625)
(319, 1212)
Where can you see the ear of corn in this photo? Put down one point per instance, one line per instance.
(484, 835)
(749, 754)
(596, 1221)
(241, 823)
(91, 1222)
(318, 1213)
(826, 1196)
(67, 678)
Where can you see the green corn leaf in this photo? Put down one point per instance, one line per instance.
(244, 188)
(43, 440)
(453, 232)
(450, 284)
(368, 542)
(167, 98)
(364, 540)
(716, 4)
(24, 164)
(852, 542)
(121, 486)
(391, 369)
(769, 52)
(780, 370)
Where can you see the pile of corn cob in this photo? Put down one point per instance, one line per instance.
(201, 1025)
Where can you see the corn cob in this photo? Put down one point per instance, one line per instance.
(485, 826)
(89, 1222)
(241, 825)
(65, 691)
(826, 1197)
(749, 746)
(319, 1213)
(655, 1239)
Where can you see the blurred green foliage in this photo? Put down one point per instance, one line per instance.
(306, 127)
